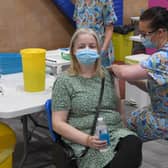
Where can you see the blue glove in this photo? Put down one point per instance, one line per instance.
(105, 61)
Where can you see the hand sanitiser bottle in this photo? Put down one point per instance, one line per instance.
(102, 132)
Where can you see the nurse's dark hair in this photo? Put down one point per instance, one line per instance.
(157, 17)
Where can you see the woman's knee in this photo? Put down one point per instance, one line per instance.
(128, 153)
(133, 144)
(133, 140)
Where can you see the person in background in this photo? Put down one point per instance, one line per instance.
(100, 16)
(74, 99)
(150, 122)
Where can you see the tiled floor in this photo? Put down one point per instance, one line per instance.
(155, 153)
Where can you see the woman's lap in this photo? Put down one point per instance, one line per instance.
(128, 153)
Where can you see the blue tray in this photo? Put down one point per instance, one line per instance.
(10, 63)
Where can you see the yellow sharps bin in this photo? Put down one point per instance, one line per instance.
(7, 145)
(33, 63)
(122, 45)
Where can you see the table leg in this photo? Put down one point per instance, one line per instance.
(25, 140)
(36, 123)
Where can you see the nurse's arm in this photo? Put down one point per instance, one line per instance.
(129, 72)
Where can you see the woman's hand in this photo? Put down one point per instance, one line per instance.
(94, 142)
(104, 58)
(103, 53)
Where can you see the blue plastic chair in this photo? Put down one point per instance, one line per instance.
(60, 161)
(48, 110)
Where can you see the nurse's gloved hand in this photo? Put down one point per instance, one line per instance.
(105, 61)
(103, 53)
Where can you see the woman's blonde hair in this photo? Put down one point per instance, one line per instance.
(75, 68)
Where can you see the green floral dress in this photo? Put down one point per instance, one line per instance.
(79, 96)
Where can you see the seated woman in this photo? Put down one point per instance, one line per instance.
(74, 100)
(150, 122)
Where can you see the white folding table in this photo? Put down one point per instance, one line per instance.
(15, 102)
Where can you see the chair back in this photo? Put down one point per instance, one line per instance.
(48, 110)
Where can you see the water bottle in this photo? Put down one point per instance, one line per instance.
(102, 132)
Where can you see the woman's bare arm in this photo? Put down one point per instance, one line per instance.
(60, 125)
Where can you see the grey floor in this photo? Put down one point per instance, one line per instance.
(155, 153)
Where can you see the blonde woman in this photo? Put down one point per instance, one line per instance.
(74, 100)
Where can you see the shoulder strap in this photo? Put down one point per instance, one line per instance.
(96, 115)
(98, 106)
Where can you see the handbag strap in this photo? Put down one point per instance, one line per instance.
(98, 106)
(96, 115)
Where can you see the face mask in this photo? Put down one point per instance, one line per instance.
(87, 56)
(148, 43)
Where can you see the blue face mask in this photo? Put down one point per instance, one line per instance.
(148, 43)
(87, 56)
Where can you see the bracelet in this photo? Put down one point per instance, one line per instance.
(87, 140)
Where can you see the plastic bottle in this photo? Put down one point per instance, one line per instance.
(102, 132)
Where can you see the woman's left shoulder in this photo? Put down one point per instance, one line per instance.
(106, 72)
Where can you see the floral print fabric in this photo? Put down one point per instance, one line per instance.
(97, 15)
(157, 66)
(152, 122)
(79, 96)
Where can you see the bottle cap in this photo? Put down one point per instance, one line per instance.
(100, 119)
